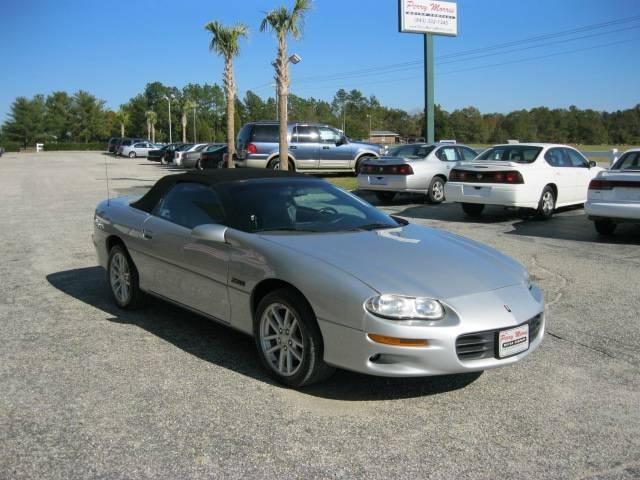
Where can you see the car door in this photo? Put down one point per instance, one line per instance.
(561, 174)
(332, 155)
(582, 174)
(305, 145)
(178, 267)
(448, 157)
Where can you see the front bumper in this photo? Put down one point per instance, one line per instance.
(519, 196)
(352, 349)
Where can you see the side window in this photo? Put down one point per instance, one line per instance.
(306, 134)
(138, 145)
(556, 157)
(265, 133)
(328, 135)
(189, 205)
(576, 159)
(447, 154)
(467, 153)
(629, 161)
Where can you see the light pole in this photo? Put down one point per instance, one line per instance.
(369, 116)
(168, 99)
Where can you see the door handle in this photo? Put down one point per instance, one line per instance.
(326, 148)
(292, 147)
(148, 234)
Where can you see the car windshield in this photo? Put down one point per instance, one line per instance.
(629, 161)
(184, 147)
(298, 205)
(410, 151)
(511, 153)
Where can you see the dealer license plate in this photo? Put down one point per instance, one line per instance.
(377, 180)
(513, 341)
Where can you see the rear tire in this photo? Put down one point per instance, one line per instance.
(274, 164)
(122, 277)
(435, 194)
(362, 159)
(385, 197)
(472, 209)
(199, 165)
(132, 154)
(605, 227)
(288, 339)
(547, 203)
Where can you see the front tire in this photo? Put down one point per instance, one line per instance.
(435, 194)
(199, 165)
(132, 154)
(473, 210)
(122, 276)
(288, 339)
(605, 227)
(547, 203)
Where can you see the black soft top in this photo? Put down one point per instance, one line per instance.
(208, 177)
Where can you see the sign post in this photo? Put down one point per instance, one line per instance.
(428, 17)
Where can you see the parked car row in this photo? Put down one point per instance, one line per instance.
(130, 147)
(191, 155)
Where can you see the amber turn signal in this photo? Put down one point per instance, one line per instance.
(398, 342)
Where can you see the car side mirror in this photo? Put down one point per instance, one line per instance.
(210, 232)
(592, 164)
(341, 141)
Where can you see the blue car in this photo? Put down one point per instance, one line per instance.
(313, 147)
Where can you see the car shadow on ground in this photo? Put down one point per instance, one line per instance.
(231, 349)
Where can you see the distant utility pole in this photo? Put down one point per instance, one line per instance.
(429, 111)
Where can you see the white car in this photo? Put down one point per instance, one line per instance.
(614, 195)
(535, 176)
(415, 168)
(180, 154)
(137, 149)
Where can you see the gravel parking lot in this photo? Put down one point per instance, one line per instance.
(87, 390)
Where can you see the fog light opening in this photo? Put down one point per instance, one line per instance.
(374, 358)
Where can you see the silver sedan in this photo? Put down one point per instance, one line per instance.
(320, 278)
(412, 168)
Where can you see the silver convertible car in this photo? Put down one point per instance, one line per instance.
(319, 278)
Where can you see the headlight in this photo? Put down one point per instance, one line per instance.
(399, 307)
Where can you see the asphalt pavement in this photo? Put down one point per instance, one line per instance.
(90, 391)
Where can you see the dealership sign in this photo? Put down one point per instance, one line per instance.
(428, 16)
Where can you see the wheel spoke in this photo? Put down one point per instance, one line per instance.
(270, 337)
(289, 362)
(277, 317)
(287, 314)
(281, 361)
(295, 354)
(273, 349)
(296, 343)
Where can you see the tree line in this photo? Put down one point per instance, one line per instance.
(83, 118)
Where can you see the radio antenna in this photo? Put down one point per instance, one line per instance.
(106, 175)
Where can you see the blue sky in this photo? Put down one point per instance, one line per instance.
(114, 48)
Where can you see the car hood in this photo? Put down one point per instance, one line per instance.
(411, 260)
(369, 146)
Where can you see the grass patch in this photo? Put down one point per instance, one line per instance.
(347, 182)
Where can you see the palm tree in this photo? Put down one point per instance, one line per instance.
(284, 22)
(123, 118)
(147, 115)
(224, 42)
(152, 118)
(187, 106)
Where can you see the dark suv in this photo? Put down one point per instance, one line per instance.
(312, 147)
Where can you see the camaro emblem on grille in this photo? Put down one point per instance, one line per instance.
(478, 176)
(506, 307)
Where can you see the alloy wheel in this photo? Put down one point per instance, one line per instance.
(281, 339)
(120, 277)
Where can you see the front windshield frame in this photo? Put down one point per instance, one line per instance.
(507, 152)
(276, 205)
